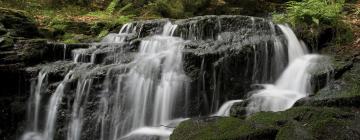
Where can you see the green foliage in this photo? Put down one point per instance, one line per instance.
(102, 34)
(110, 13)
(70, 38)
(357, 11)
(312, 17)
(175, 8)
(111, 8)
(314, 12)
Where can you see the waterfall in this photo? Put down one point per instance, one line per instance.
(79, 106)
(52, 110)
(64, 55)
(35, 100)
(135, 83)
(146, 96)
(292, 85)
(295, 47)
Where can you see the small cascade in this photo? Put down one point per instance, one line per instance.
(125, 31)
(79, 55)
(79, 106)
(35, 100)
(225, 108)
(295, 47)
(147, 95)
(64, 55)
(51, 116)
(266, 62)
(292, 85)
(53, 106)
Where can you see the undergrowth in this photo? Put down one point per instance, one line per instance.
(313, 18)
(70, 21)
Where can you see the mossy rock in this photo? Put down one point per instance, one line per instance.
(342, 92)
(297, 123)
(18, 24)
(6, 43)
(2, 30)
(294, 131)
(221, 129)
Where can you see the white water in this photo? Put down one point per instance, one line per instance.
(145, 98)
(37, 100)
(78, 55)
(52, 110)
(225, 108)
(64, 55)
(79, 106)
(295, 47)
(159, 55)
(293, 84)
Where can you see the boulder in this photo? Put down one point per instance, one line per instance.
(295, 123)
(17, 24)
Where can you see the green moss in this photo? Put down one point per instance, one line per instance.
(332, 129)
(314, 19)
(70, 38)
(346, 89)
(296, 123)
(220, 129)
(102, 34)
(294, 131)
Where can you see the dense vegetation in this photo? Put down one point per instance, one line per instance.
(312, 18)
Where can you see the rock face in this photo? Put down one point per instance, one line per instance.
(330, 113)
(223, 56)
(17, 24)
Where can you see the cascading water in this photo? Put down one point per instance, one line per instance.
(225, 108)
(79, 106)
(293, 84)
(151, 87)
(135, 83)
(35, 100)
(48, 131)
(290, 87)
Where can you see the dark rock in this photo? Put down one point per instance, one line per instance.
(2, 30)
(344, 91)
(18, 24)
(6, 43)
(239, 109)
(320, 79)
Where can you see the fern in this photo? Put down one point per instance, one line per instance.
(311, 17)
(111, 8)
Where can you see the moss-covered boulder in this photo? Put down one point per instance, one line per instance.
(296, 123)
(342, 92)
(222, 129)
(17, 24)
